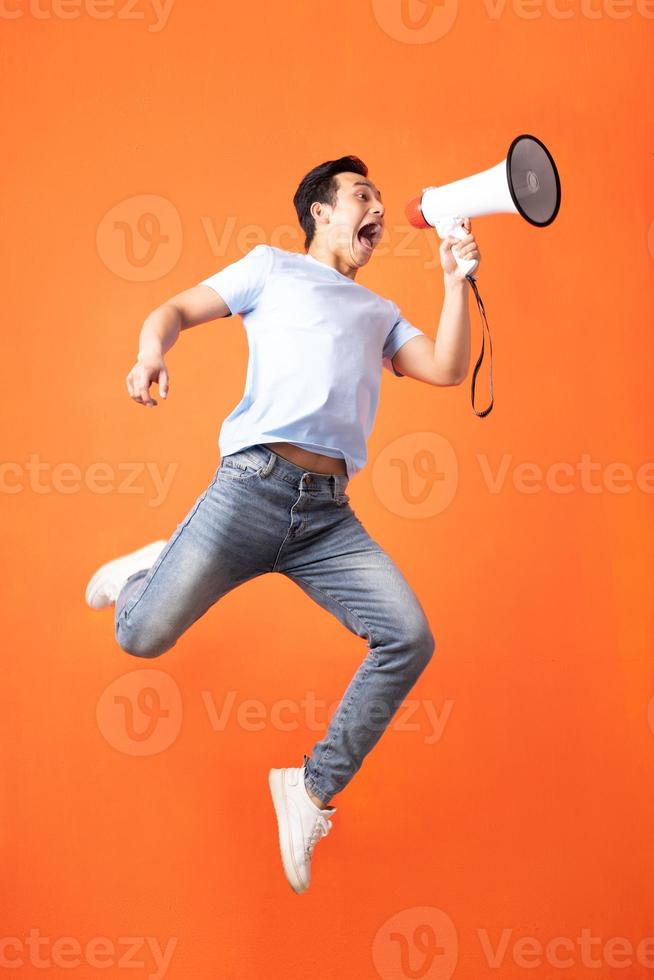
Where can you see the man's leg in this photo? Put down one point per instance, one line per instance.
(346, 572)
(225, 540)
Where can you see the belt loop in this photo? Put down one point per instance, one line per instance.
(332, 484)
(268, 467)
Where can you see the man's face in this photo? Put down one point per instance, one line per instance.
(356, 222)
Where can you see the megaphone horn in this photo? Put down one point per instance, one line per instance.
(526, 182)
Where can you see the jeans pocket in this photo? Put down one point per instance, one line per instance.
(240, 466)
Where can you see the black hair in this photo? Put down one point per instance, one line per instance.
(320, 185)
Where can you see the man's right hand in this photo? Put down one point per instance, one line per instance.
(149, 368)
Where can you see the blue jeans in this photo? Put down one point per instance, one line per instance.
(261, 513)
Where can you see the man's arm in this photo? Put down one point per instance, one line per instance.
(234, 289)
(160, 330)
(446, 360)
(162, 327)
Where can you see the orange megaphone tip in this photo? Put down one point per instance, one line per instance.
(414, 214)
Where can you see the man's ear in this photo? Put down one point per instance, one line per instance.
(318, 211)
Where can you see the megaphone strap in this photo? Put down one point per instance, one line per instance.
(482, 311)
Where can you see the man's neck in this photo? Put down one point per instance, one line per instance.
(333, 260)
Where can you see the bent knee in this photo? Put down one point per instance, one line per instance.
(423, 644)
(145, 649)
(140, 644)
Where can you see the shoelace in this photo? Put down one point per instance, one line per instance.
(320, 829)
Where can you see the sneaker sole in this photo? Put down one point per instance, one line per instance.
(95, 582)
(276, 784)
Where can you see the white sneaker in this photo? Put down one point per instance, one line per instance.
(301, 824)
(106, 583)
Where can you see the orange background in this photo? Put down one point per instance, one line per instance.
(532, 813)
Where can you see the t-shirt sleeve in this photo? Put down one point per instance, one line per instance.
(241, 283)
(400, 332)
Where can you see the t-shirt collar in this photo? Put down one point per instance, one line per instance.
(328, 268)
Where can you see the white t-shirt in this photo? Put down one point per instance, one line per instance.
(317, 342)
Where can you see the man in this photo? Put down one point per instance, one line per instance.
(277, 502)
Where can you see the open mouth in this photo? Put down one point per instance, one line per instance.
(369, 234)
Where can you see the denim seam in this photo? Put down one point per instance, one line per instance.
(288, 531)
(127, 612)
(239, 472)
(316, 791)
(345, 712)
(316, 788)
(346, 707)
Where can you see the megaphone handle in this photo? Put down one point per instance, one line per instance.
(454, 227)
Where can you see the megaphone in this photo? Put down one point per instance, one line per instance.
(526, 182)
